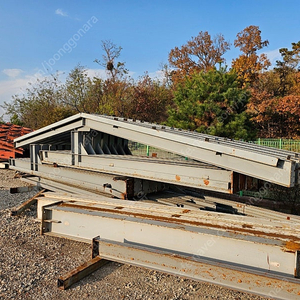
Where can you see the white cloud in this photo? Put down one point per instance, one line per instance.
(12, 72)
(60, 12)
(15, 86)
(100, 73)
(273, 55)
(158, 75)
(11, 87)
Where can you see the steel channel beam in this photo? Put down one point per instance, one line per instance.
(179, 230)
(264, 215)
(96, 181)
(54, 186)
(151, 169)
(35, 137)
(65, 281)
(82, 181)
(260, 283)
(268, 168)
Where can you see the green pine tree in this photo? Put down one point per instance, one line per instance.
(212, 102)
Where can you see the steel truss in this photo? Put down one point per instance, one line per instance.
(272, 165)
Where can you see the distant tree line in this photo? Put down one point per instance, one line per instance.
(244, 101)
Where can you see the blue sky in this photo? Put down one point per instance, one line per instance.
(34, 32)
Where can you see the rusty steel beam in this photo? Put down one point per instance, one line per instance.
(65, 281)
(198, 268)
(27, 204)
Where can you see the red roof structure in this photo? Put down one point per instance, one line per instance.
(8, 132)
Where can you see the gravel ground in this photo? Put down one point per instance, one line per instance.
(30, 264)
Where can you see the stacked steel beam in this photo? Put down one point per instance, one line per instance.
(8, 132)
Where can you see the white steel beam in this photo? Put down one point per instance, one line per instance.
(95, 181)
(274, 166)
(180, 173)
(197, 268)
(250, 242)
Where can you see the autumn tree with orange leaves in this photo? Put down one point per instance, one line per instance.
(249, 64)
(275, 102)
(201, 53)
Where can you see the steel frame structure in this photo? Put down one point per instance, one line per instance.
(272, 165)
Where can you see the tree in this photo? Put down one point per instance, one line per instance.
(287, 68)
(249, 64)
(41, 105)
(277, 117)
(275, 101)
(115, 93)
(111, 54)
(150, 100)
(212, 102)
(201, 53)
(76, 90)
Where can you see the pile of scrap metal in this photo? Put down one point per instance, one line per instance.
(86, 158)
(8, 132)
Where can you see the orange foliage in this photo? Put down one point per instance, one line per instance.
(249, 64)
(201, 53)
(278, 116)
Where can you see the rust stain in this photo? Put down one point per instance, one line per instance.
(186, 211)
(247, 226)
(176, 216)
(292, 246)
(206, 182)
(177, 177)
